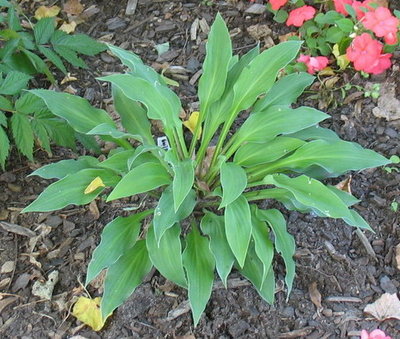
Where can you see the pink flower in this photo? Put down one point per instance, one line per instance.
(365, 53)
(276, 4)
(375, 334)
(381, 22)
(299, 15)
(340, 6)
(359, 6)
(391, 38)
(314, 64)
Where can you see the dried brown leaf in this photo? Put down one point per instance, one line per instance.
(94, 210)
(315, 295)
(397, 257)
(345, 185)
(73, 7)
(386, 307)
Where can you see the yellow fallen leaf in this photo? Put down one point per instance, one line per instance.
(68, 78)
(327, 71)
(68, 27)
(192, 123)
(94, 185)
(47, 12)
(335, 50)
(87, 311)
(341, 60)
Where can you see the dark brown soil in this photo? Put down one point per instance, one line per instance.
(329, 253)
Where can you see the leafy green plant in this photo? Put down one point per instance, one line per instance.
(206, 217)
(26, 51)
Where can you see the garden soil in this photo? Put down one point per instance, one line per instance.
(338, 271)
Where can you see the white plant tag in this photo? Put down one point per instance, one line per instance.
(163, 143)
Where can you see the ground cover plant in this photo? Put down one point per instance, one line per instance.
(364, 33)
(206, 217)
(28, 51)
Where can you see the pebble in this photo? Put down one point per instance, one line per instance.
(327, 312)
(288, 312)
(391, 132)
(53, 221)
(387, 285)
(14, 188)
(107, 58)
(8, 177)
(68, 226)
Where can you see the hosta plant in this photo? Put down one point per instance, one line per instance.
(247, 146)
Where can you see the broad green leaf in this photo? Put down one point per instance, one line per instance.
(233, 182)
(215, 66)
(5, 147)
(60, 132)
(183, 180)
(23, 134)
(77, 111)
(80, 43)
(53, 57)
(314, 194)
(252, 154)
(335, 158)
(106, 129)
(259, 76)
(346, 25)
(117, 237)
(140, 152)
(72, 187)
(284, 242)
(334, 35)
(262, 243)
(14, 83)
(129, 59)
(253, 270)
(199, 264)
(143, 178)
(266, 125)
(89, 142)
(124, 276)
(213, 225)
(41, 135)
(165, 216)
(133, 116)
(161, 102)
(238, 228)
(43, 30)
(118, 162)
(285, 91)
(166, 256)
(61, 169)
(315, 132)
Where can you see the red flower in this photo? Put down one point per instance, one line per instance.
(299, 15)
(365, 53)
(276, 4)
(314, 64)
(340, 5)
(381, 22)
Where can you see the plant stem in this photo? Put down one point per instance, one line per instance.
(268, 193)
(182, 142)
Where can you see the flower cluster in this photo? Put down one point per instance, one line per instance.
(375, 334)
(367, 25)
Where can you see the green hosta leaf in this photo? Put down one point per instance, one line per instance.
(23, 134)
(53, 57)
(72, 187)
(199, 264)
(111, 131)
(133, 116)
(314, 194)
(238, 228)
(259, 76)
(124, 276)
(183, 180)
(165, 216)
(43, 30)
(161, 103)
(253, 270)
(60, 132)
(285, 91)
(89, 142)
(335, 158)
(14, 83)
(252, 154)
(5, 147)
(117, 237)
(266, 125)
(213, 225)
(233, 182)
(166, 256)
(284, 242)
(262, 243)
(118, 162)
(77, 111)
(215, 66)
(143, 178)
(315, 132)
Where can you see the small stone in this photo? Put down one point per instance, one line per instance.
(107, 58)
(7, 267)
(327, 312)
(68, 226)
(14, 188)
(387, 285)
(53, 221)
(288, 312)
(45, 290)
(256, 9)
(8, 177)
(390, 132)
